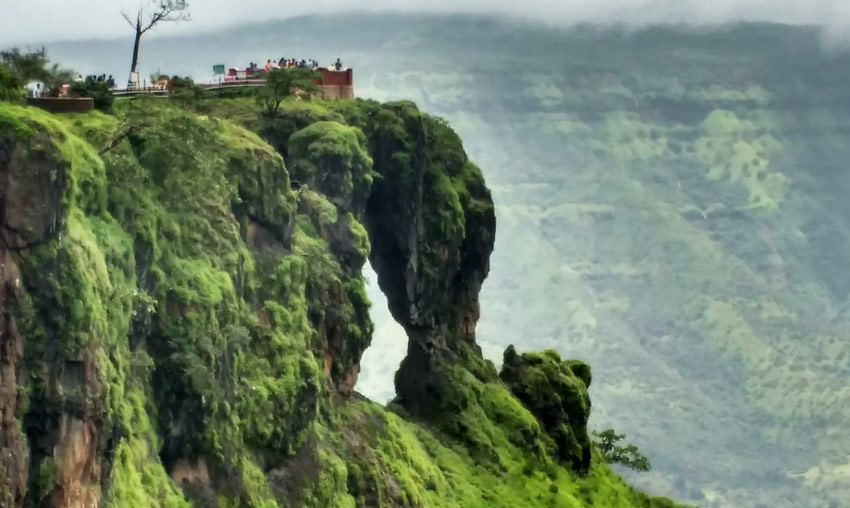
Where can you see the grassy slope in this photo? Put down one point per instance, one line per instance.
(167, 210)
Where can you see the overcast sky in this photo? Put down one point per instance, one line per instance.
(35, 21)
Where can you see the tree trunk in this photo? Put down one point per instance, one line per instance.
(136, 49)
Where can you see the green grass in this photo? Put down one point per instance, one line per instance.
(434, 471)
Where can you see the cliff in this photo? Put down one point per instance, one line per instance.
(183, 316)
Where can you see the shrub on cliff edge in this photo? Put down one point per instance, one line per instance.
(10, 89)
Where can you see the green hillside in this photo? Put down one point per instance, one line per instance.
(184, 315)
(672, 209)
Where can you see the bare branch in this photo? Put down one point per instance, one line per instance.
(129, 21)
(168, 11)
(158, 11)
(114, 142)
(155, 18)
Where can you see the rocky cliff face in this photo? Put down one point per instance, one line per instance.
(53, 438)
(182, 323)
(432, 227)
(31, 185)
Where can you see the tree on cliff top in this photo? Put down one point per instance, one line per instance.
(28, 66)
(282, 83)
(10, 89)
(147, 17)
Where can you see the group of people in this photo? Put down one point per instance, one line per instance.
(287, 63)
(65, 89)
(290, 63)
(98, 79)
(37, 90)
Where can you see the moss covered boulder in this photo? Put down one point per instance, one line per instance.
(555, 391)
(332, 158)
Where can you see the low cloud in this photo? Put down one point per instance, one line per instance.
(39, 21)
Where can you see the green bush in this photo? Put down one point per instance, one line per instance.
(185, 91)
(555, 392)
(628, 455)
(99, 91)
(282, 83)
(10, 88)
(35, 66)
(46, 478)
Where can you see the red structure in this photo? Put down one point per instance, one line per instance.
(337, 84)
(333, 84)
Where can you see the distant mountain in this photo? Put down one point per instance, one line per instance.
(672, 208)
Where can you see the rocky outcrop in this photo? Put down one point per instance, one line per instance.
(32, 182)
(555, 392)
(51, 440)
(14, 457)
(331, 163)
(432, 226)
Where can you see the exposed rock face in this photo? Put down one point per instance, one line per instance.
(555, 392)
(194, 479)
(331, 162)
(62, 451)
(432, 227)
(14, 457)
(32, 180)
(76, 462)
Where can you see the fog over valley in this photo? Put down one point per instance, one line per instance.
(87, 19)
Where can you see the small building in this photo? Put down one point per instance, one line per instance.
(337, 84)
(332, 83)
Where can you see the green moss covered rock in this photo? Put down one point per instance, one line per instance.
(332, 158)
(555, 392)
(182, 327)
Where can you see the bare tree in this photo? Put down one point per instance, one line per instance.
(148, 16)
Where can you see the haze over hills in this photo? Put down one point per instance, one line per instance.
(671, 208)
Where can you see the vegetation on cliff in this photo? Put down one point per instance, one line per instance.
(715, 325)
(185, 323)
(680, 195)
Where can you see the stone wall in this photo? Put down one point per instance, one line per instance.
(63, 104)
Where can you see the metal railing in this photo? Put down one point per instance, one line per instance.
(121, 93)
